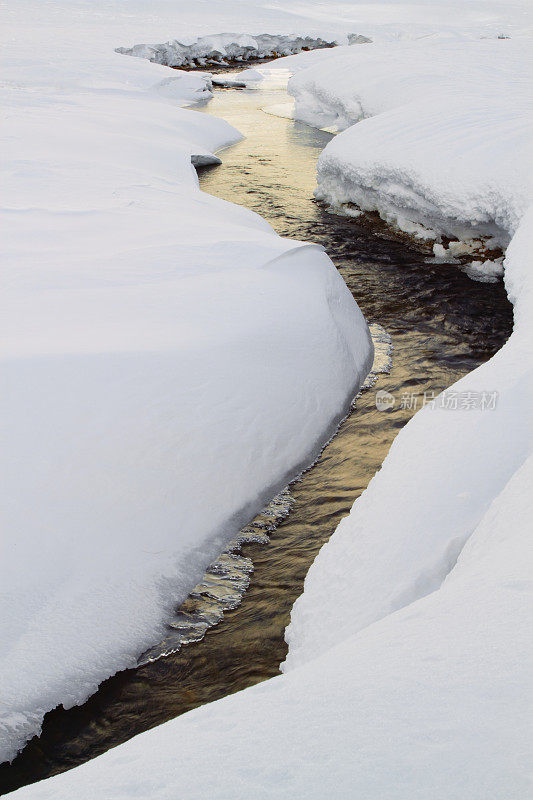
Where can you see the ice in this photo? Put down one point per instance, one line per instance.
(223, 584)
(485, 271)
(250, 75)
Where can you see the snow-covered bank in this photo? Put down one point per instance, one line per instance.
(168, 361)
(429, 701)
(423, 517)
(418, 691)
(410, 659)
(444, 148)
(223, 48)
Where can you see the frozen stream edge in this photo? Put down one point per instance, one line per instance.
(227, 578)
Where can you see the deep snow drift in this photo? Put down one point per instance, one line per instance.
(410, 656)
(168, 363)
(444, 148)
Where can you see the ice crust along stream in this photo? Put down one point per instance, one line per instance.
(227, 578)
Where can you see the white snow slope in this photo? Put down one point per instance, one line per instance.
(168, 361)
(409, 673)
(449, 149)
(446, 143)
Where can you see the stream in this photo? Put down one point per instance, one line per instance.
(441, 324)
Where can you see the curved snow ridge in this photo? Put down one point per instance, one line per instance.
(426, 703)
(444, 145)
(224, 48)
(477, 187)
(169, 362)
(227, 578)
(186, 87)
(405, 533)
(465, 174)
(121, 416)
(355, 83)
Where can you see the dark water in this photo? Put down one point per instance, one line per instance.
(442, 325)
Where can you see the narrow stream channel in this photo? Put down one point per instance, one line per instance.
(442, 326)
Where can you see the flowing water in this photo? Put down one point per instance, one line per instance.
(442, 325)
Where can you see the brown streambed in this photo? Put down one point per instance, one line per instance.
(442, 326)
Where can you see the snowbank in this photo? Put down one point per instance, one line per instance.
(447, 148)
(443, 472)
(444, 149)
(223, 48)
(410, 659)
(427, 703)
(410, 647)
(354, 83)
(168, 363)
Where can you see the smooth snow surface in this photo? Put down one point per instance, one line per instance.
(424, 698)
(444, 147)
(168, 361)
(409, 673)
(425, 704)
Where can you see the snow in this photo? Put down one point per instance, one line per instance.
(440, 477)
(410, 663)
(397, 74)
(223, 48)
(367, 733)
(169, 362)
(421, 696)
(444, 147)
